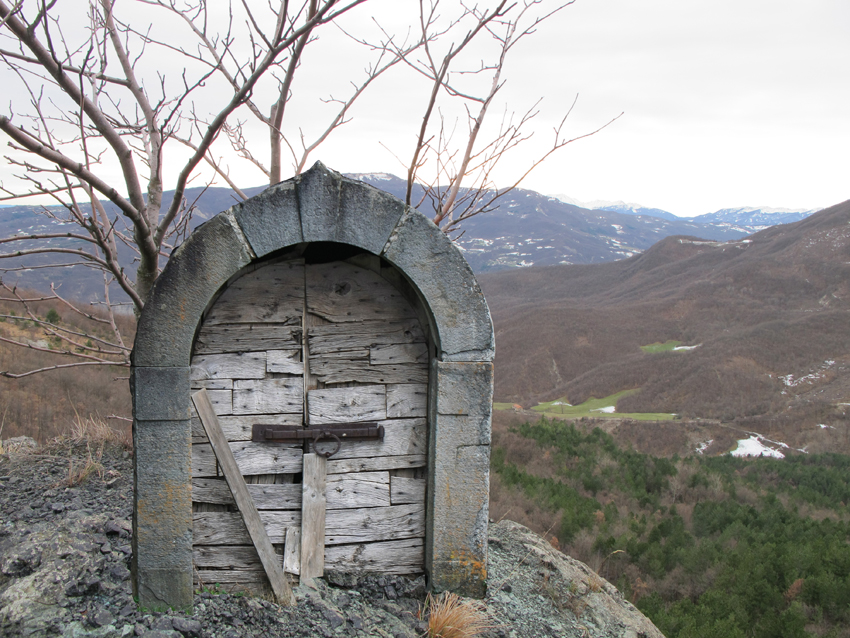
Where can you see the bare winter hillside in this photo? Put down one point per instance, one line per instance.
(762, 324)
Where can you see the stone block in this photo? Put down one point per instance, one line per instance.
(464, 388)
(212, 254)
(270, 220)
(437, 268)
(318, 192)
(160, 394)
(162, 513)
(367, 216)
(162, 589)
(465, 430)
(460, 482)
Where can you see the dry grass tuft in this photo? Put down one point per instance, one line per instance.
(80, 472)
(450, 616)
(95, 434)
(93, 430)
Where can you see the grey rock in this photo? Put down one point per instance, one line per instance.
(187, 627)
(101, 618)
(163, 622)
(21, 561)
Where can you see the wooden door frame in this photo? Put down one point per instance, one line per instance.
(317, 206)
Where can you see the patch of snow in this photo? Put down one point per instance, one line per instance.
(687, 347)
(702, 447)
(608, 409)
(754, 447)
(569, 405)
(823, 426)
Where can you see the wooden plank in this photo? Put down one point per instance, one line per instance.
(268, 396)
(340, 292)
(292, 551)
(242, 557)
(399, 353)
(407, 490)
(282, 496)
(221, 400)
(248, 337)
(284, 362)
(402, 437)
(251, 580)
(407, 400)
(405, 556)
(357, 354)
(366, 334)
(313, 517)
(344, 405)
(252, 458)
(211, 384)
(341, 466)
(227, 528)
(272, 293)
(271, 563)
(341, 526)
(374, 524)
(238, 428)
(240, 365)
(388, 557)
(343, 371)
(361, 489)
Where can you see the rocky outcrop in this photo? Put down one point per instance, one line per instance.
(65, 551)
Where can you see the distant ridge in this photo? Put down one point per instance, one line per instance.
(749, 219)
(528, 229)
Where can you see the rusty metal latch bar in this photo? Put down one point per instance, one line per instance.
(336, 432)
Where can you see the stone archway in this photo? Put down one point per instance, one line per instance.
(318, 206)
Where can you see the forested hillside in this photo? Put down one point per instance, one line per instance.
(705, 546)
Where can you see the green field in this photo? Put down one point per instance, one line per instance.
(667, 346)
(594, 408)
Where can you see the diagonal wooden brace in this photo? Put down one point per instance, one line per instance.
(256, 529)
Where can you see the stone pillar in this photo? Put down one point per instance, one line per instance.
(459, 477)
(162, 502)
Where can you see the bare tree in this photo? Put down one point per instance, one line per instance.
(461, 184)
(94, 122)
(90, 111)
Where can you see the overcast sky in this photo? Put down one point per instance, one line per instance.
(725, 102)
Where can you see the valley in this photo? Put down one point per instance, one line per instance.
(674, 413)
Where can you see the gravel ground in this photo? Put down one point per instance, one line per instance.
(65, 553)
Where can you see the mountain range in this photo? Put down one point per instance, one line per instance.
(528, 229)
(748, 219)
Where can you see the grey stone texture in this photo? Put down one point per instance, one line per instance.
(459, 476)
(270, 220)
(162, 514)
(319, 205)
(160, 394)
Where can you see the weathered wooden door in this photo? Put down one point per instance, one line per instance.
(297, 343)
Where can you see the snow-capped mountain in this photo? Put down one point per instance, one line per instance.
(754, 218)
(745, 219)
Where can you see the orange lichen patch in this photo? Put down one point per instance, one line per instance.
(469, 563)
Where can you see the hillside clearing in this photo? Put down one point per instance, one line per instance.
(597, 408)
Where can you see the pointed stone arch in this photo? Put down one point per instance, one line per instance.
(317, 206)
